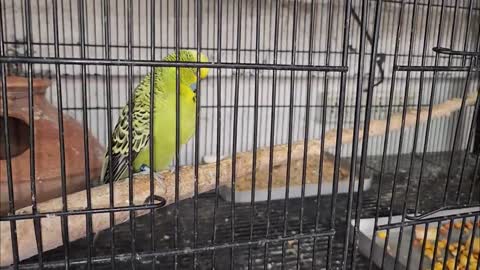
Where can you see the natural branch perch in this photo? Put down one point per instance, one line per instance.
(51, 225)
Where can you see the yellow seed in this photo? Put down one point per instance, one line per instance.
(429, 253)
(420, 233)
(382, 234)
(463, 260)
(457, 224)
(469, 224)
(442, 243)
(453, 248)
(476, 245)
(443, 230)
(438, 266)
(450, 264)
(468, 241)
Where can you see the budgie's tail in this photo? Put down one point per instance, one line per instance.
(103, 177)
(119, 168)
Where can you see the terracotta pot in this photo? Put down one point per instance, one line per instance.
(47, 147)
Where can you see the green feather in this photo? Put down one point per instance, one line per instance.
(164, 119)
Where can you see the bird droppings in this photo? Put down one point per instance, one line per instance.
(166, 237)
(292, 251)
(208, 159)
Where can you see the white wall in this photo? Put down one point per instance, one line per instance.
(448, 85)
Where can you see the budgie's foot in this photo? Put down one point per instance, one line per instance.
(144, 169)
(171, 169)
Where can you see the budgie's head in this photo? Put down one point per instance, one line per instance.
(189, 74)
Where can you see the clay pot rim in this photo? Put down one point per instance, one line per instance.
(19, 85)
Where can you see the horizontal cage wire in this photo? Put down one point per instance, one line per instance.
(326, 134)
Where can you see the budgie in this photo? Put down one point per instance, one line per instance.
(164, 119)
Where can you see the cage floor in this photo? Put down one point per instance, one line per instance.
(434, 177)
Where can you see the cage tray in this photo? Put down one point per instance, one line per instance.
(243, 185)
(294, 192)
(365, 236)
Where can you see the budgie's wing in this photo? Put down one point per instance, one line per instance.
(120, 141)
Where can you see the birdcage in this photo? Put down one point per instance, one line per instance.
(326, 135)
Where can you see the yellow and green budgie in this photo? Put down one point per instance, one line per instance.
(164, 119)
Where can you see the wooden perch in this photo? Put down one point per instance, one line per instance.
(377, 128)
(51, 225)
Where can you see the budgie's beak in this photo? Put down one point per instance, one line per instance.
(204, 73)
